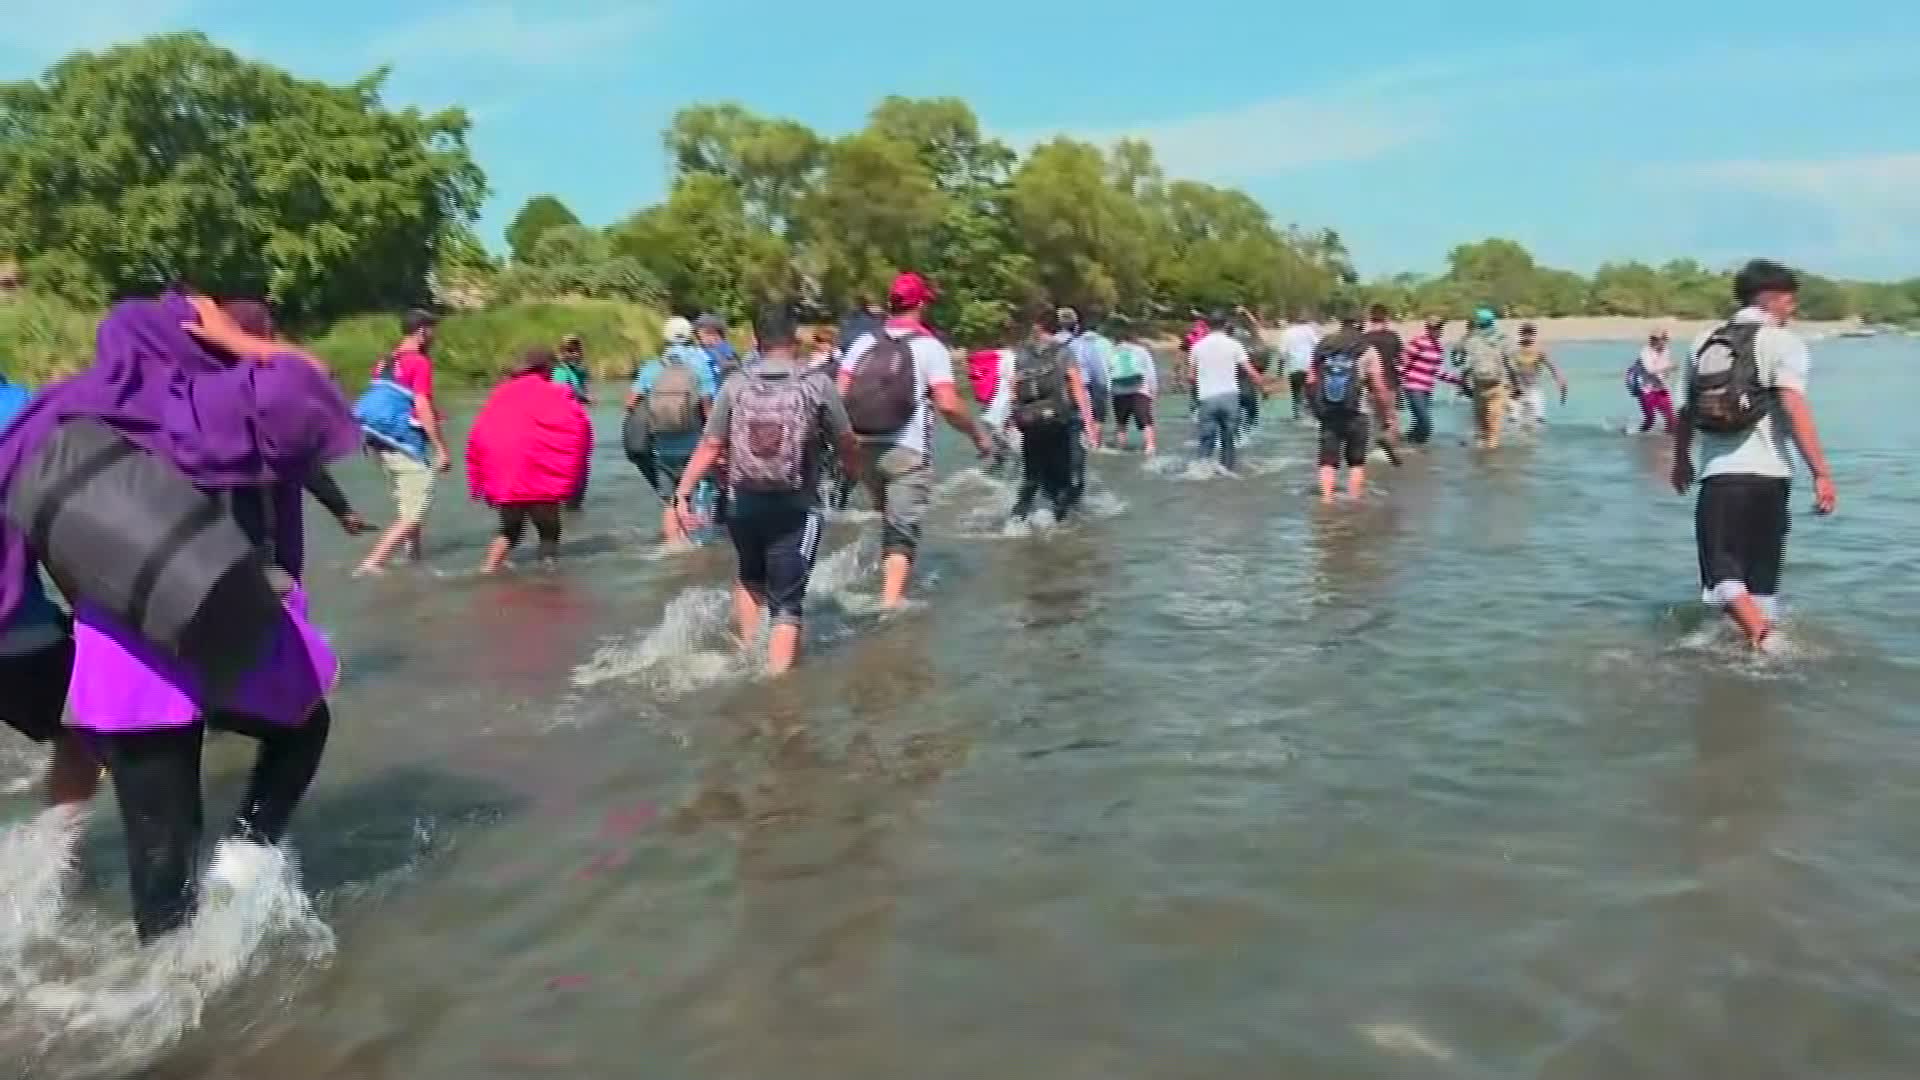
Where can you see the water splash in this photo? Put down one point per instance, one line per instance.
(689, 649)
(81, 998)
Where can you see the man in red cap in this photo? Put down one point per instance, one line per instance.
(889, 378)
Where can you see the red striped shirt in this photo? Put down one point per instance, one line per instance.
(1420, 363)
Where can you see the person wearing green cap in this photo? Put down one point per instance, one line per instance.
(1487, 357)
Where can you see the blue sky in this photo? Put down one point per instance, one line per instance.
(1587, 132)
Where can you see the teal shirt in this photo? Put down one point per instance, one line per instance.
(570, 377)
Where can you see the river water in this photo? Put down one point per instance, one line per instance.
(1212, 782)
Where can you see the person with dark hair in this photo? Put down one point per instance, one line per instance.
(1386, 341)
(769, 425)
(1746, 386)
(527, 455)
(1530, 392)
(892, 382)
(256, 318)
(711, 332)
(1136, 383)
(1093, 353)
(864, 319)
(1217, 363)
(265, 417)
(1052, 410)
(1297, 342)
(402, 426)
(1421, 363)
(1346, 376)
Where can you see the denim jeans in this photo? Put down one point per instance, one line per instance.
(1420, 404)
(1217, 418)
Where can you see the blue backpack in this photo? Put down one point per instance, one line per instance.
(1339, 382)
(385, 412)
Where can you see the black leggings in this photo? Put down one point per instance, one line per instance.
(545, 519)
(156, 779)
(1051, 468)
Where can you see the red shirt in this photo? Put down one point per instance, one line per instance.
(413, 370)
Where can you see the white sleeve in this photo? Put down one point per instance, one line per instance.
(933, 360)
(1792, 361)
(1001, 407)
(854, 352)
(1150, 384)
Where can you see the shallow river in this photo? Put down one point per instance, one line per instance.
(1211, 782)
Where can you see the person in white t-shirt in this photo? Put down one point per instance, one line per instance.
(898, 467)
(1216, 363)
(1297, 343)
(1741, 517)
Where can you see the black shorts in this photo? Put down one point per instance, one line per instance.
(1099, 397)
(1132, 408)
(1740, 529)
(1343, 437)
(544, 517)
(776, 538)
(33, 690)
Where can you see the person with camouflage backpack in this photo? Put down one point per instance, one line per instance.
(769, 424)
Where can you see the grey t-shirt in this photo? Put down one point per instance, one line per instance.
(829, 414)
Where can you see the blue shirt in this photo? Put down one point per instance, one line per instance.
(36, 614)
(1089, 355)
(723, 357)
(678, 446)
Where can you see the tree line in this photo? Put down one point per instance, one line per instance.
(174, 160)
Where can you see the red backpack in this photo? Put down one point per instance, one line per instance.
(983, 374)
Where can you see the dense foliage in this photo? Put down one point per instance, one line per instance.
(175, 160)
(1502, 274)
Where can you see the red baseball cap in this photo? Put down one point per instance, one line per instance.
(910, 290)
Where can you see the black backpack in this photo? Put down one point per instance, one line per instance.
(1726, 395)
(1040, 396)
(885, 388)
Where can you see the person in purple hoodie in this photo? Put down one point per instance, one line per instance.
(249, 420)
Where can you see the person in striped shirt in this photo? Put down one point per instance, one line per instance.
(1420, 364)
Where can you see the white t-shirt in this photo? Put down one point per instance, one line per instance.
(1784, 362)
(1216, 360)
(932, 366)
(1296, 345)
(1659, 364)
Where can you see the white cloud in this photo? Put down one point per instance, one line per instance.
(1267, 138)
(46, 29)
(1866, 205)
(521, 35)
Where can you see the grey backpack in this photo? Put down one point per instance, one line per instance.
(770, 422)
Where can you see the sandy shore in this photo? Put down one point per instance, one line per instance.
(1629, 329)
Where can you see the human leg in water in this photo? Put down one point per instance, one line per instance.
(1297, 390)
(1055, 463)
(156, 778)
(1420, 404)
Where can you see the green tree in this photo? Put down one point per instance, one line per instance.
(1499, 273)
(773, 163)
(704, 250)
(575, 261)
(1629, 288)
(541, 213)
(126, 170)
(1087, 238)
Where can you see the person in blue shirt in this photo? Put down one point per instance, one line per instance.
(36, 664)
(712, 331)
(677, 389)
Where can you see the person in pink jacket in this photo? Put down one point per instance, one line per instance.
(528, 455)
